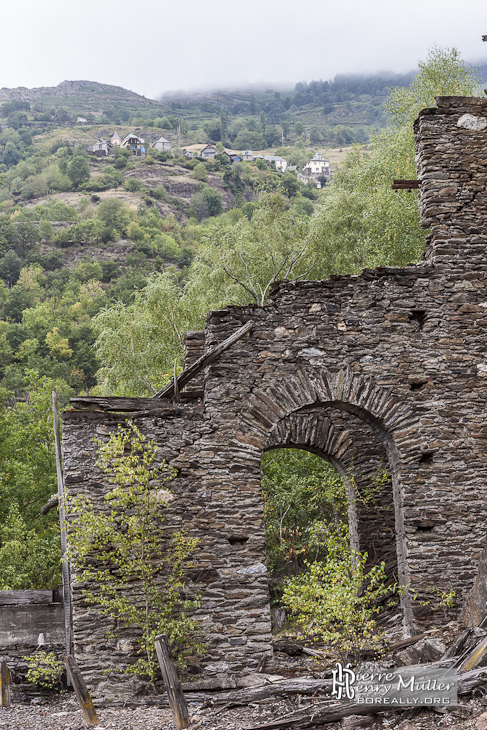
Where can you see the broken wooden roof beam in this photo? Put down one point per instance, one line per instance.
(213, 354)
(125, 404)
(405, 184)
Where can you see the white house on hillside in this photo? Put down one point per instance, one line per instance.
(205, 151)
(317, 167)
(162, 144)
(280, 162)
(100, 149)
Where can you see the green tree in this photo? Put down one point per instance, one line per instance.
(28, 559)
(199, 172)
(444, 73)
(140, 579)
(303, 496)
(290, 184)
(206, 203)
(362, 222)
(337, 600)
(223, 125)
(29, 543)
(114, 214)
(138, 342)
(299, 128)
(78, 170)
(274, 245)
(235, 264)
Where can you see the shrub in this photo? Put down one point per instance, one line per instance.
(199, 172)
(44, 670)
(337, 600)
(133, 184)
(206, 204)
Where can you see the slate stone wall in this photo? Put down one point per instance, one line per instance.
(385, 367)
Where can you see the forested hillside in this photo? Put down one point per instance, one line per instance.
(338, 112)
(105, 262)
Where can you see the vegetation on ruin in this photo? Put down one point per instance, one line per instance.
(304, 504)
(134, 571)
(44, 670)
(337, 600)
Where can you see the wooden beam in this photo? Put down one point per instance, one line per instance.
(29, 596)
(62, 524)
(5, 693)
(175, 694)
(128, 405)
(114, 403)
(81, 691)
(177, 397)
(406, 184)
(203, 362)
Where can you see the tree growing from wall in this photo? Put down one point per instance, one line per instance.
(134, 573)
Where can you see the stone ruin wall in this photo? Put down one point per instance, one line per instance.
(389, 365)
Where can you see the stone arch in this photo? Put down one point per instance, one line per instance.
(357, 453)
(386, 413)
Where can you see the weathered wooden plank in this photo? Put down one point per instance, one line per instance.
(81, 691)
(177, 397)
(203, 362)
(5, 693)
(175, 694)
(333, 714)
(18, 598)
(129, 405)
(114, 403)
(282, 687)
(62, 523)
(475, 658)
(459, 644)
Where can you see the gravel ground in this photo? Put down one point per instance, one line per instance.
(63, 715)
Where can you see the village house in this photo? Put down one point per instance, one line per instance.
(233, 155)
(205, 151)
(101, 148)
(134, 144)
(161, 145)
(247, 156)
(317, 167)
(280, 162)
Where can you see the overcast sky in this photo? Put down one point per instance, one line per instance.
(155, 45)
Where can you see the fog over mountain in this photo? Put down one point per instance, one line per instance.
(183, 46)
